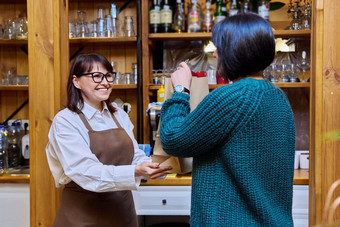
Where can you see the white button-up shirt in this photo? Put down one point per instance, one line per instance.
(70, 158)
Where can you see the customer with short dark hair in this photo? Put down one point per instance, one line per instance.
(241, 136)
(93, 153)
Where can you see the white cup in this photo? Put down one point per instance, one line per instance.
(304, 161)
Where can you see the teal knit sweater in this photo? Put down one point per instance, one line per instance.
(242, 140)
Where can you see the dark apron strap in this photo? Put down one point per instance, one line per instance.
(86, 123)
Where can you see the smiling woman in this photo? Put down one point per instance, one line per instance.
(92, 150)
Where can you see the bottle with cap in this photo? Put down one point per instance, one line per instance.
(14, 153)
(3, 151)
(160, 94)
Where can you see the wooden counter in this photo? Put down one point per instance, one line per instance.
(301, 177)
(16, 179)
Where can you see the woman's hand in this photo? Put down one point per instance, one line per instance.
(182, 76)
(151, 170)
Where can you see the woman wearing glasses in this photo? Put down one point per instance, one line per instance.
(93, 153)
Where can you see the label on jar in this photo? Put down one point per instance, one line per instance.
(194, 21)
(264, 11)
(155, 17)
(166, 15)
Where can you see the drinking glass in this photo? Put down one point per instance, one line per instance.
(155, 76)
(276, 73)
(286, 70)
(128, 78)
(108, 26)
(118, 78)
(135, 72)
(128, 30)
(81, 27)
(101, 21)
(295, 72)
(93, 29)
(72, 30)
(303, 63)
(267, 72)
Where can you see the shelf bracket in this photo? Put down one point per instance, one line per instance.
(24, 50)
(77, 52)
(124, 6)
(16, 111)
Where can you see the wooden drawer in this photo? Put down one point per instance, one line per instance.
(162, 200)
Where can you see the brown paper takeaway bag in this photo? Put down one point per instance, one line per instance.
(198, 90)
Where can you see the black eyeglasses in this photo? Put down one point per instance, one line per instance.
(98, 77)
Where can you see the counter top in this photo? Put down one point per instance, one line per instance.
(16, 179)
(301, 177)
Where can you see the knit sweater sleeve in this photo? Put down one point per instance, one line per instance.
(214, 121)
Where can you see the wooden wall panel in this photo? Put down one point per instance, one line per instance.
(48, 67)
(325, 111)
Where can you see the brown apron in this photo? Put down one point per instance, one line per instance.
(80, 207)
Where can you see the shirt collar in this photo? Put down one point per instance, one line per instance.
(89, 111)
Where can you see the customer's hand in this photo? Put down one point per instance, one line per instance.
(182, 76)
(151, 170)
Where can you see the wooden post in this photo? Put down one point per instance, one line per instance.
(48, 66)
(325, 106)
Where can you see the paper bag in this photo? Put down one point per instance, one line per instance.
(198, 90)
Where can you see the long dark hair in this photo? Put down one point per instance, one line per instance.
(83, 63)
(245, 44)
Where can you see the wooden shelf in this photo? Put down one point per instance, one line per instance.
(301, 177)
(13, 87)
(291, 33)
(181, 36)
(110, 40)
(13, 42)
(124, 86)
(25, 87)
(13, 1)
(207, 35)
(213, 86)
(17, 179)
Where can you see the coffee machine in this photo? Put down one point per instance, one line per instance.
(154, 113)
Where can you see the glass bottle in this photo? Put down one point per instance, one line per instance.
(233, 8)
(208, 17)
(179, 18)
(166, 17)
(3, 151)
(306, 19)
(113, 13)
(295, 24)
(263, 9)
(194, 17)
(155, 17)
(13, 151)
(101, 21)
(219, 14)
(246, 6)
